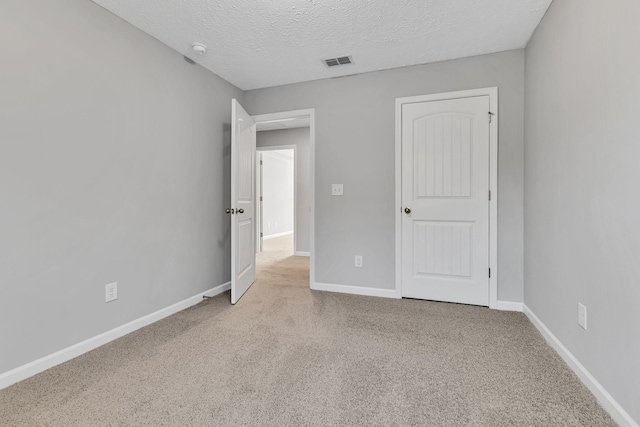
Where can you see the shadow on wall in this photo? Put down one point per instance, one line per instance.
(225, 240)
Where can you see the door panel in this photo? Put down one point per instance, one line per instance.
(442, 248)
(445, 184)
(443, 156)
(243, 225)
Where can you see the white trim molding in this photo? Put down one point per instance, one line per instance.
(509, 306)
(607, 401)
(301, 253)
(30, 369)
(355, 290)
(492, 93)
(273, 236)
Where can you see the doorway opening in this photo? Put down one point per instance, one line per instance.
(275, 197)
(284, 194)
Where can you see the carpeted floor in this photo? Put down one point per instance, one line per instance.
(289, 356)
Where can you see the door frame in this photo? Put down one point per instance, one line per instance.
(259, 212)
(312, 171)
(492, 92)
(260, 150)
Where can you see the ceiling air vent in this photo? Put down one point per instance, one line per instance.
(334, 62)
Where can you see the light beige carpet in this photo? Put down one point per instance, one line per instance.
(289, 356)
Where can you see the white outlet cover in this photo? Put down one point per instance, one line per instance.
(337, 190)
(358, 261)
(111, 292)
(582, 316)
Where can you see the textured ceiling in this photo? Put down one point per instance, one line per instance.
(261, 43)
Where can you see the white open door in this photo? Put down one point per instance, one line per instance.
(243, 194)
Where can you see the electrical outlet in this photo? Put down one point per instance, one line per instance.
(582, 316)
(358, 261)
(337, 190)
(111, 291)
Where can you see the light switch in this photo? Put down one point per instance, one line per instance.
(336, 190)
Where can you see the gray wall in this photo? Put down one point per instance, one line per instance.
(114, 166)
(301, 139)
(277, 190)
(582, 205)
(355, 122)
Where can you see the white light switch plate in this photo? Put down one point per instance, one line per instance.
(337, 190)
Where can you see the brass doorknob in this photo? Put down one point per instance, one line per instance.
(407, 210)
(240, 210)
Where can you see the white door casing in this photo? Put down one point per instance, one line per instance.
(259, 202)
(445, 219)
(243, 193)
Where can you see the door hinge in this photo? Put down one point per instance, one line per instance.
(489, 195)
(260, 162)
(491, 116)
(261, 235)
(260, 198)
(489, 273)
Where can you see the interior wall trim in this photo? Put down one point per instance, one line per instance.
(32, 368)
(509, 306)
(607, 401)
(355, 290)
(273, 236)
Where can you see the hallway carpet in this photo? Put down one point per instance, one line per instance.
(289, 356)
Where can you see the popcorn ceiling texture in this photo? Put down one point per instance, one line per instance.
(262, 43)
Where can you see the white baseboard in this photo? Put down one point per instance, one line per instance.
(509, 306)
(25, 371)
(355, 290)
(610, 405)
(300, 253)
(273, 236)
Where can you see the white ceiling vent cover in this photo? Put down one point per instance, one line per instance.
(341, 60)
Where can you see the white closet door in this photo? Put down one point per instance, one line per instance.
(445, 200)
